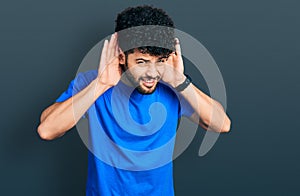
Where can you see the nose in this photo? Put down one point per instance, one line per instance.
(152, 70)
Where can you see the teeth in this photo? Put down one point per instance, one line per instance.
(149, 80)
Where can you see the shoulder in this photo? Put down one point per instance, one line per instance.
(87, 76)
(166, 90)
(82, 79)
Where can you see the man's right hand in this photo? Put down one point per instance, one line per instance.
(61, 117)
(109, 71)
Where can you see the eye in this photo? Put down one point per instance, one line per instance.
(161, 60)
(141, 63)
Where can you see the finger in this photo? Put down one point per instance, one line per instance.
(117, 47)
(111, 47)
(116, 51)
(170, 59)
(114, 45)
(120, 51)
(103, 57)
(121, 54)
(177, 47)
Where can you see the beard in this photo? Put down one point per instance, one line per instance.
(144, 84)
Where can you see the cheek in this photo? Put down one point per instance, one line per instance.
(137, 71)
(160, 69)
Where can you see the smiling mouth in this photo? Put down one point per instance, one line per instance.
(148, 82)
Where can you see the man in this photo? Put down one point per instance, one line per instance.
(119, 99)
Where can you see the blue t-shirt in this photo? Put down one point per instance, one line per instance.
(131, 138)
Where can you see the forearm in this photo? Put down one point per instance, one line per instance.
(210, 112)
(60, 117)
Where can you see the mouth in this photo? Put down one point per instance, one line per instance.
(149, 82)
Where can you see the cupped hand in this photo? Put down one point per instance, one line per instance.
(109, 72)
(174, 68)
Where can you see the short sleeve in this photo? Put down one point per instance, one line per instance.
(79, 83)
(67, 94)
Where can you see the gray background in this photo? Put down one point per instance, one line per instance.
(255, 43)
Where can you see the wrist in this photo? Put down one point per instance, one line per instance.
(178, 80)
(100, 86)
(103, 82)
(184, 84)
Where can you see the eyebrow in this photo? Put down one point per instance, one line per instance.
(146, 60)
(163, 57)
(138, 59)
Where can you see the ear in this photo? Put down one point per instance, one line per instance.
(121, 57)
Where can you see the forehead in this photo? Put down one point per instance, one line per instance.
(139, 55)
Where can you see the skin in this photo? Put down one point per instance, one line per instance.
(143, 71)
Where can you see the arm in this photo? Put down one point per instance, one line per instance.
(58, 118)
(210, 113)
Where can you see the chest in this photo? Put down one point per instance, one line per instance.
(138, 122)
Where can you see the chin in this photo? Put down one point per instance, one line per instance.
(145, 90)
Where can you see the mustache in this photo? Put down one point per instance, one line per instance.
(149, 78)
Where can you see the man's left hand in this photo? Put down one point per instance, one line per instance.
(174, 68)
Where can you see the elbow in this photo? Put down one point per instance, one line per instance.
(218, 127)
(47, 132)
(44, 133)
(222, 117)
(226, 126)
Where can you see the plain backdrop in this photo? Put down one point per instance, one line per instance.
(255, 44)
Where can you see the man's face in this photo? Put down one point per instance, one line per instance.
(144, 71)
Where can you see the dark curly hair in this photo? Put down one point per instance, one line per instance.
(149, 28)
